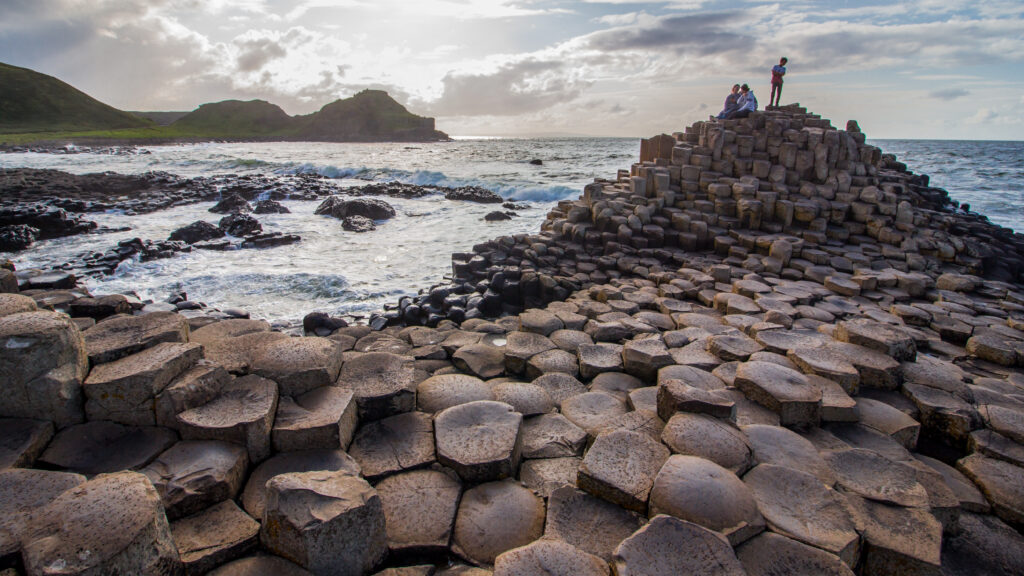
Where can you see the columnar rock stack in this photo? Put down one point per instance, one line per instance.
(846, 412)
(782, 183)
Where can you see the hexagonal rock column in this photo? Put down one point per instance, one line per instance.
(591, 524)
(768, 554)
(99, 447)
(243, 413)
(874, 476)
(330, 523)
(644, 357)
(593, 410)
(254, 496)
(394, 444)
(260, 565)
(621, 466)
(897, 541)
(299, 365)
(782, 390)
(22, 492)
(191, 389)
(125, 390)
(384, 384)
(796, 504)
(783, 447)
(22, 440)
(42, 358)
(596, 359)
(707, 437)
(118, 337)
(700, 491)
(324, 417)
(668, 545)
(545, 475)
(446, 390)
(214, 536)
(521, 346)
(117, 517)
(420, 508)
(550, 557)
(481, 360)
(480, 440)
(192, 475)
(495, 517)
(552, 436)
(1000, 481)
(885, 338)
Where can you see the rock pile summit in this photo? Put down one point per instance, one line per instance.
(766, 348)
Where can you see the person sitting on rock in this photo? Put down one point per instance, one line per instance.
(746, 103)
(778, 71)
(730, 102)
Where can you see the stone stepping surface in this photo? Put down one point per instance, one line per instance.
(765, 348)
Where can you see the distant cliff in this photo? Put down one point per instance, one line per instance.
(36, 108)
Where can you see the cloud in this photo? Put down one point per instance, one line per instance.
(698, 34)
(514, 88)
(983, 116)
(256, 53)
(948, 94)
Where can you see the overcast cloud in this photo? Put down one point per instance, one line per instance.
(912, 68)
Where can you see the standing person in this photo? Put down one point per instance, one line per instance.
(778, 71)
(747, 103)
(730, 102)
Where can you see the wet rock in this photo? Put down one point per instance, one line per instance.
(324, 417)
(42, 356)
(240, 225)
(770, 554)
(269, 240)
(125, 390)
(231, 204)
(419, 508)
(473, 194)
(243, 413)
(254, 496)
(1000, 482)
(873, 476)
(328, 522)
(394, 444)
(621, 466)
(340, 208)
(214, 536)
(668, 545)
(191, 476)
(700, 491)
(797, 505)
(710, 438)
(495, 517)
(17, 237)
(480, 440)
(100, 447)
(22, 440)
(384, 384)
(116, 517)
(446, 390)
(553, 557)
(270, 207)
(784, 391)
(100, 307)
(358, 224)
(198, 231)
(22, 493)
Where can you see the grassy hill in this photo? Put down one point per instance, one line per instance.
(39, 109)
(31, 102)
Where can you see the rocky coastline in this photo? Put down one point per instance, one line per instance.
(765, 348)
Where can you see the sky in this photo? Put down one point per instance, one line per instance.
(902, 68)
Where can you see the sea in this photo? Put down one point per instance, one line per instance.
(349, 274)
